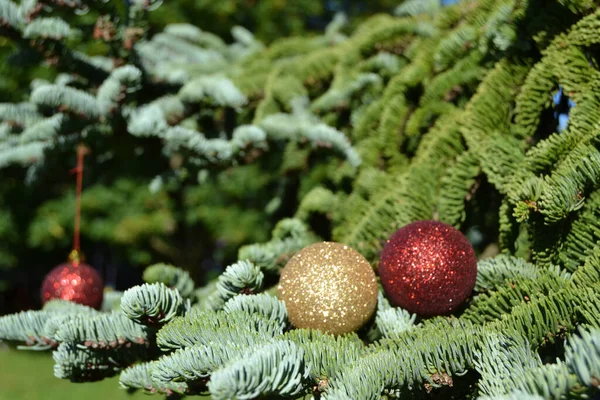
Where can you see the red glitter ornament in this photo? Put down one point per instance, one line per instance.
(428, 268)
(75, 282)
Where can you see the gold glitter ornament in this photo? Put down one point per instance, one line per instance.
(330, 287)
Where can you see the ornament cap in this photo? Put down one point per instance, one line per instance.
(76, 257)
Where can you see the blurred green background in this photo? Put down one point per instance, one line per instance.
(125, 226)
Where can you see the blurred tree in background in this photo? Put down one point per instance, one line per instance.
(268, 20)
(133, 212)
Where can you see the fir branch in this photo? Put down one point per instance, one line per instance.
(318, 200)
(195, 35)
(582, 356)
(589, 273)
(289, 236)
(245, 138)
(273, 255)
(152, 304)
(103, 331)
(22, 154)
(499, 31)
(290, 228)
(45, 129)
(172, 108)
(203, 294)
(486, 124)
(242, 277)
(392, 322)
(48, 28)
(540, 320)
(275, 368)
(440, 346)
(325, 355)
(215, 90)
(339, 98)
(454, 45)
(172, 277)
(194, 365)
(463, 74)
(139, 376)
(54, 324)
(457, 188)
(95, 68)
(425, 116)
(284, 126)
(27, 327)
(121, 81)
(281, 91)
(511, 236)
(69, 307)
(152, 60)
(514, 395)
(88, 365)
(215, 151)
(184, 50)
(334, 27)
(24, 114)
(10, 15)
(395, 108)
(500, 359)
(545, 154)
(384, 63)
(495, 272)
(262, 304)
(316, 67)
(81, 365)
(150, 120)
(70, 99)
(413, 150)
(245, 44)
(29, 8)
(242, 35)
(587, 304)
(571, 179)
(199, 328)
(365, 224)
(111, 301)
(550, 381)
(532, 99)
(416, 7)
(63, 311)
(147, 120)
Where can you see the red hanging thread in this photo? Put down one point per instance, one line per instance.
(82, 150)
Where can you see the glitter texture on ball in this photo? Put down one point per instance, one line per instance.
(428, 268)
(330, 287)
(75, 282)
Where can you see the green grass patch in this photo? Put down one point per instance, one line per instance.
(28, 375)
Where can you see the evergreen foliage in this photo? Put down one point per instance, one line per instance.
(435, 113)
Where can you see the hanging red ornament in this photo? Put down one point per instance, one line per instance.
(428, 268)
(74, 281)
